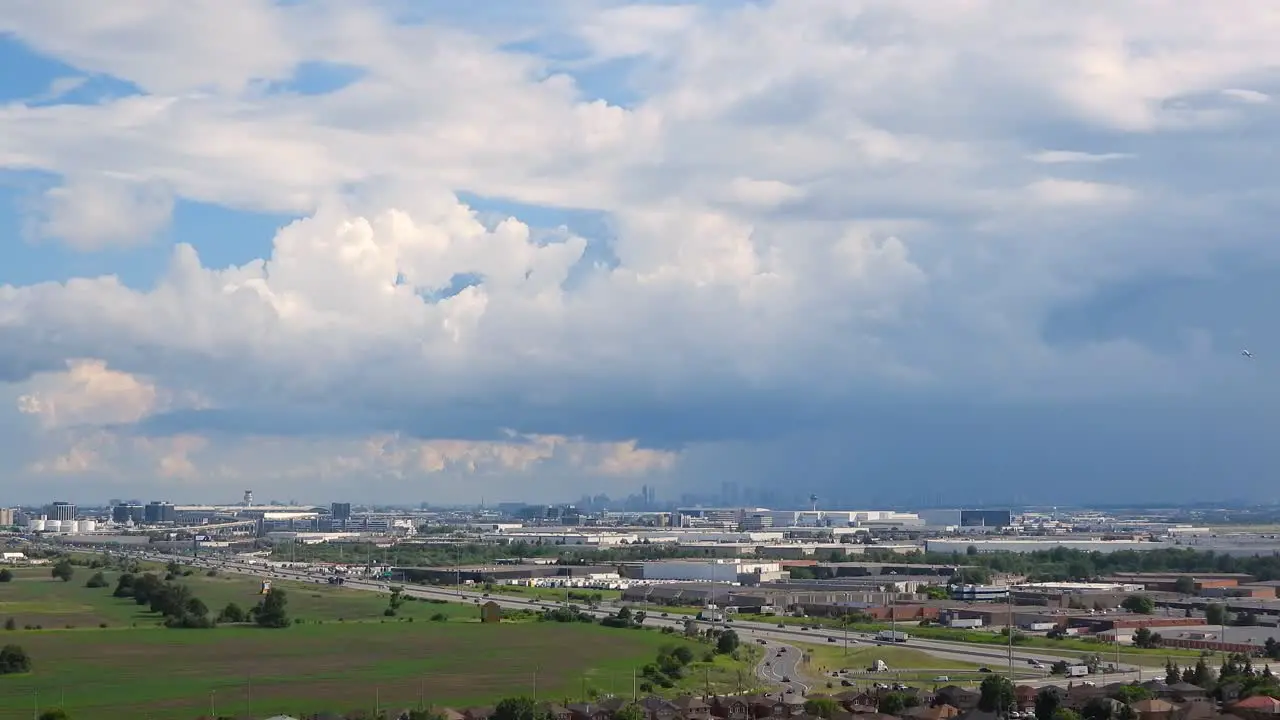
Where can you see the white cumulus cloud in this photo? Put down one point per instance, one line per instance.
(598, 248)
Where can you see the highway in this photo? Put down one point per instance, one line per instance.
(990, 656)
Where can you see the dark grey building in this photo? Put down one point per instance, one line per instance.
(126, 512)
(160, 512)
(986, 518)
(62, 511)
(340, 511)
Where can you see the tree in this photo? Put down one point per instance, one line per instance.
(124, 585)
(1172, 673)
(55, 714)
(1271, 648)
(10, 624)
(1215, 614)
(1130, 694)
(232, 613)
(1065, 714)
(1047, 703)
(13, 660)
(691, 628)
(894, 703)
(6, 575)
(63, 571)
(1144, 638)
(1140, 604)
(630, 711)
(98, 580)
(996, 695)
(1200, 675)
(1097, 709)
(1185, 585)
(271, 612)
(727, 642)
(823, 707)
(519, 708)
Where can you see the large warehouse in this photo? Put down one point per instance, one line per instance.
(962, 545)
(728, 571)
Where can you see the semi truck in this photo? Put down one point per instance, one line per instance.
(1077, 670)
(892, 636)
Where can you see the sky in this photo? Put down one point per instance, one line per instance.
(890, 253)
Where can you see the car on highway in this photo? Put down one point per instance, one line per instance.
(786, 679)
(942, 679)
(831, 639)
(984, 669)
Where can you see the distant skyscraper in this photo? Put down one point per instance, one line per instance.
(159, 512)
(61, 511)
(128, 512)
(340, 512)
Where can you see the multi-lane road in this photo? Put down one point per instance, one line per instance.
(995, 658)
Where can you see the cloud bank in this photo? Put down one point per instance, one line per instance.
(859, 248)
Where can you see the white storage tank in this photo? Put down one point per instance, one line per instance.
(36, 525)
(86, 526)
(55, 525)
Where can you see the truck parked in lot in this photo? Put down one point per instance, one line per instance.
(892, 636)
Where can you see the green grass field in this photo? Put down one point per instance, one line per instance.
(825, 658)
(34, 598)
(136, 669)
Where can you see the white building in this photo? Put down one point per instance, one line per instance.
(961, 546)
(561, 538)
(706, 570)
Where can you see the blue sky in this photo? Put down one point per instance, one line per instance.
(419, 251)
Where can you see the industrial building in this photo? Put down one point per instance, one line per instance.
(758, 518)
(725, 571)
(1025, 545)
(957, 518)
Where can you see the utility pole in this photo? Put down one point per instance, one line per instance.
(1010, 624)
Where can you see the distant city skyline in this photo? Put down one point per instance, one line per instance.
(882, 254)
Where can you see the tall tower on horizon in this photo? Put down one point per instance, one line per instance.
(248, 498)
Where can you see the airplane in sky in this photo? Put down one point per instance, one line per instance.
(1246, 353)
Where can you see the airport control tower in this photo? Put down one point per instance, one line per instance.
(248, 498)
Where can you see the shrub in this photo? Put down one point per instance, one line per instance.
(13, 659)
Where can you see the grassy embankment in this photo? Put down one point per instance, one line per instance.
(345, 654)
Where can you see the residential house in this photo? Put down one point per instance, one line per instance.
(591, 711)
(692, 707)
(1154, 709)
(657, 708)
(1181, 692)
(1258, 707)
(935, 712)
(731, 708)
(958, 697)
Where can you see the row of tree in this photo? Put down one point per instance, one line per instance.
(180, 608)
